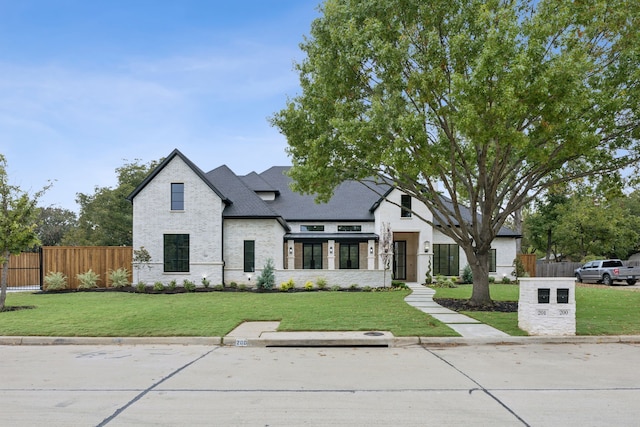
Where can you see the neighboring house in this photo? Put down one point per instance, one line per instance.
(225, 227)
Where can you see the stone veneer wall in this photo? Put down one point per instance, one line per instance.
(551, 318)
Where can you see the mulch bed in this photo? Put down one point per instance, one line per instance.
(464, 305)
(17, 308)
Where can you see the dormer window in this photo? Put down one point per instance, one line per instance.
(177, 196)
(405, 202)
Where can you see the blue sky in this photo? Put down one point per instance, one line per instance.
(86, 85)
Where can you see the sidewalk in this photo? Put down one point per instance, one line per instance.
(422, 299)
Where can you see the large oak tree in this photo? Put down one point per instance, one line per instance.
(487, 103)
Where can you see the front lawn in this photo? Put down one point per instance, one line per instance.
(599, 311)
(115, 314)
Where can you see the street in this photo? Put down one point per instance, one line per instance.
(505, 385)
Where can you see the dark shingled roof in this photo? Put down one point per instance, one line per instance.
(351, 200)
(244, 201)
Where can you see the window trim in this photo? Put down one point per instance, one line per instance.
(249, 256)
(437, 267)
(349, 245)
(172, 243)
(405, 206)
(177, 189)
(313, 259)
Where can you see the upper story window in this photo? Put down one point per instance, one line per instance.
(177, 196)
(405, 202)
(349, 228)
(312, 228)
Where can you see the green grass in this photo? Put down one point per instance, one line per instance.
(117, 314)
(599, 311)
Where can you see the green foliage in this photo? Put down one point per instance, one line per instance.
(173, 284)
(18, 215)
(288, 285)
(88, 280)
(242, 287)
(491, 103)
(354, 287)
(218, 288)
(55, 281)
(158, 287)
(442, 282)
(321, 283)
(367, 289)
(398, 284)
(519, 270)
(53, 224)
(427, 277)
(106, 216)
(467, 274)
(140, 287)
(119, 278)
(335, 288)
(492, 279)
(205, 282)
(267, 278)
(308, 286)
(188, 285)
(505, 280)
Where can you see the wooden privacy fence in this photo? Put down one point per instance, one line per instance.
(529, 263)
(24, 270)
(29, 269)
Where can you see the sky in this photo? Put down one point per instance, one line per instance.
(87, 86)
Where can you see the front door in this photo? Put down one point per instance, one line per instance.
(400, 260)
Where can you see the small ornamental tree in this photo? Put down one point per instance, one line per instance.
(386, 249)
(141, 259)
(267, 278)
(18, 215)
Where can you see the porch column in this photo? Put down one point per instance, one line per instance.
(331, 258)
(371, 255)
(291, 254)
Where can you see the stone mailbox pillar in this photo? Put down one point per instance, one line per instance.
(547, 305)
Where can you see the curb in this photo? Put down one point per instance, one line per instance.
(321, 339)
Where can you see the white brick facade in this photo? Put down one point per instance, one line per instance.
(201, 220)
(547, 318)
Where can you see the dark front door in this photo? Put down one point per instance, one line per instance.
(400, 260)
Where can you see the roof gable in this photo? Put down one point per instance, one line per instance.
(176, 153)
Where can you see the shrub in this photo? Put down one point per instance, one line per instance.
(188, 285)
(141, 286)
(88, 280)
(443, 282)
(492, 279)
(218, 288)
(173, 285)
(158, 286)
(267, 278)
(289, 284)
(308, 286)
(233, 285)
(242, 287)
(321, 283)
(354, 287)
(55, 281)
(366, 289)
(399, 285)
(205, 282)
(119, 278)
(335, 288)
(467, 274)
(505, 280)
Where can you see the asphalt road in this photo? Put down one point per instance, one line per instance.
(507, 385)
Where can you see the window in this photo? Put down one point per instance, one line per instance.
(312, 256)
(349, 228)
(176, 253)
(405, 202)
(249, 256)
(177, 197)
(446, 260)
(349, 255)
(312, 228)
(492, 261)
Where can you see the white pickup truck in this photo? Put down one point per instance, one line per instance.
(607, 271)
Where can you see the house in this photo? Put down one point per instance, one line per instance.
(225, 227)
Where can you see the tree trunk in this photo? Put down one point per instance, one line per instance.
(479, 263)
(3, 280)
(517, 222)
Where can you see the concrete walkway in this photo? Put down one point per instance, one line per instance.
(422, 299)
